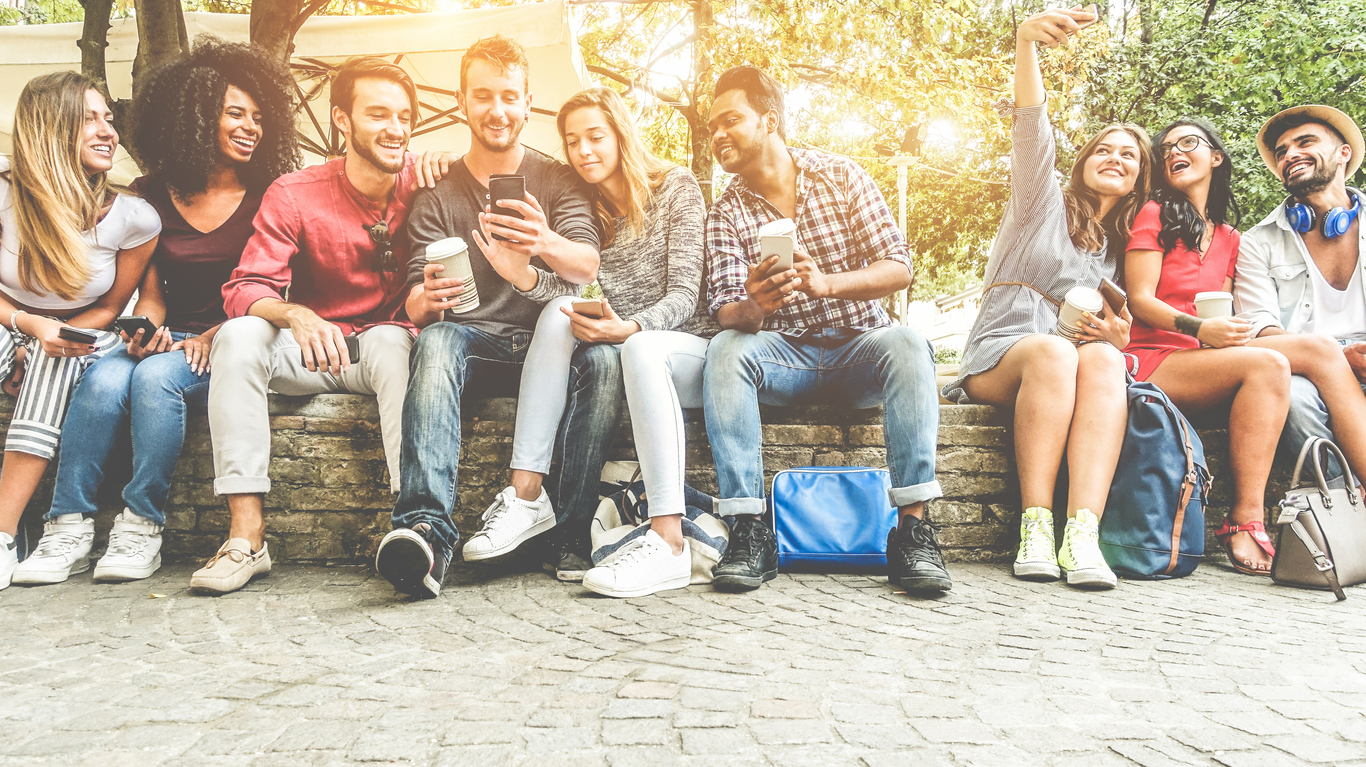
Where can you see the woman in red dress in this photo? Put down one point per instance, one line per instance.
(1181, 245)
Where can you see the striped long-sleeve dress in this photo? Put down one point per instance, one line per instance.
(1031, 247)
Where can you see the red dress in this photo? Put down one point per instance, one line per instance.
(1183, 275)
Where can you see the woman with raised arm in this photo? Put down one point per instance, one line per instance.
(213, 128)
(1068, 400)
(1183, 244)
(72, 250)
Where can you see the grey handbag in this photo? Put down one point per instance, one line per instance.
(1328, 545)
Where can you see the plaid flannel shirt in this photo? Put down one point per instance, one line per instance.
(843, 223)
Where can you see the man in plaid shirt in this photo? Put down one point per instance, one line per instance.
(813, 333)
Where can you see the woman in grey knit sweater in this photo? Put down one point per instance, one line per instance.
(654, 323)
(1069, 401)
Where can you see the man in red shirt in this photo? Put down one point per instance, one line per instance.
(324, 270)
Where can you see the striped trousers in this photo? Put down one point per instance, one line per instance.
(46, 392)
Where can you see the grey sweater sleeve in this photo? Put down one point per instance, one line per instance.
(570, 215)
(679, 255)
(426, 224)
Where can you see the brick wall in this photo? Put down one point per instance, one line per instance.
(330, 500)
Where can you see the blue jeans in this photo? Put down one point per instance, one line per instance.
(447, 360)
(151, 398)
(592, 412)
(893, 366)
(1308, 417)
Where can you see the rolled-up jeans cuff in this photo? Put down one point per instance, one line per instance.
(241, 485)
(925, 491)
(739, 507)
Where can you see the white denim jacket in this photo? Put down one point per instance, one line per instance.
(1271, 286)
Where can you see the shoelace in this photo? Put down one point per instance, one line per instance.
(127, 543)
(925, 548)
(235, 555)
(634, 555)
(57, 543)
(497, 511)
(743, 540)
(1087, 553)
(1037, 539)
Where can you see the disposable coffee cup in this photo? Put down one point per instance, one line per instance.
(454, 254)
(1213, 303)
(1078, 301)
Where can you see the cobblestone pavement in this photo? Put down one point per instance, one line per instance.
(315, 666)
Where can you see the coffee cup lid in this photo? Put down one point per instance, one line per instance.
(1210, 294)
(778, 226)
(1085, 298)
(447, 247)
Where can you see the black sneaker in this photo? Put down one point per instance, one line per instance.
(913, 558)
(751, 556)
(415, 560)
(567, 562)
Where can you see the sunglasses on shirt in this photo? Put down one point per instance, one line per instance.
(379, 234)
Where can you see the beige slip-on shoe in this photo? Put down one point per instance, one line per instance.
(231, 568)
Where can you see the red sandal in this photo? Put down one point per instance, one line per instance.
(1258, 532)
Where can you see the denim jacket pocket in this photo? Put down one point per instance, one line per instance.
(1290, 282)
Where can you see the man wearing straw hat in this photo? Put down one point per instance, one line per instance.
(1300, 270)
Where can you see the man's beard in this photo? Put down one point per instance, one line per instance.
(1317, 181)
(745, 153)
(364, 150)
(514, 132)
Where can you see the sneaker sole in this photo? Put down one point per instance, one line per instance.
(570, 576)
(742, 582)
(1037, 571)
(50, 577)
(668, 585)
(1091, 579)
(925, 584)
(400, 561)
(526, 535)
(120, 573)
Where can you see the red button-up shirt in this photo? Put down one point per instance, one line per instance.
(313, 245)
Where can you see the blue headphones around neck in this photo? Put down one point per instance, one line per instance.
(1336, 222)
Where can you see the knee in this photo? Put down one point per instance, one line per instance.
(905, 347)
(386, 344)
(240, 341)
(1324, 352)
(597, 362)
(440, 344)
(1054, 357)
(156, 373)
(643, 350)
(729, 355)
(1100, 363)
(1271, 367)
(110, 382)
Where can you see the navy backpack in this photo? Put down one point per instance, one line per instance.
(1154, 522)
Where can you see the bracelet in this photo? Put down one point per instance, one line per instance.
(13, 316)
(1189, 325)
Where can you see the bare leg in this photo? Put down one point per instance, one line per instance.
(527, 484)
(1038, 378)
(1098, 424)
(19, 478)
(670, 528)
(1258, 382)
(248, 520)
(1319, 358)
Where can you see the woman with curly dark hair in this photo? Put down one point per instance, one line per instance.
(214, 129)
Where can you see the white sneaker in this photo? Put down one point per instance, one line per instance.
(9, 558)
(509, 523)
(647, 566)
(63, 551)
(134, 550)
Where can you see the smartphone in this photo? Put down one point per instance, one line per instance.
(67, 333)
(779, 245)
(352, 351)
(1114, 295)
(588, 308)
(1095, 16)
(131, 324)
(505, 186)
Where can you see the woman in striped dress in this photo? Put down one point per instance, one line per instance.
(1067, 399)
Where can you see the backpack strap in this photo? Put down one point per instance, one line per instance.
(1045, 296)
(1187, 490)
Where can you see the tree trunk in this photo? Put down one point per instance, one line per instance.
(1146, 19)
(94, 39)
(161, 35)
(272, 25)
(703, 163)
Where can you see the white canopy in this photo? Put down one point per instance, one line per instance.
(428, 45)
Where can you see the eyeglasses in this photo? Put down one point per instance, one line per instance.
(1183, 145)
(379, 234)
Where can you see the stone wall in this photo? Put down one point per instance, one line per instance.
(330, 501)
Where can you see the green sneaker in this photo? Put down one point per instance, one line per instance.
(1038, 558)
(1080, 555)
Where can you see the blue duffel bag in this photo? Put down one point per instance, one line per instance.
(832, 518)
(1154, 522)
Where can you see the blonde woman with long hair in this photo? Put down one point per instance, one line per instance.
(648, 344)
(72, 250)
(1069, 400)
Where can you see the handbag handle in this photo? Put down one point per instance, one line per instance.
(1317, 445)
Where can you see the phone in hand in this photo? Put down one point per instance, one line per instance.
(1095, 16)
(68, 333)
(1114, 295)
(588, 308)
(779, 245)
(505, 186)
(352, 352)
(132, 323)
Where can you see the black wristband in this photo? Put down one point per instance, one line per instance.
(1189, 325)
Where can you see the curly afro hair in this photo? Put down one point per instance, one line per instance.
(176, 113)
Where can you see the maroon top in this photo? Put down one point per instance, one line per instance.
(194, 265)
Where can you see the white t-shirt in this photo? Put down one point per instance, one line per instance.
(1337, 313)
(132, 221)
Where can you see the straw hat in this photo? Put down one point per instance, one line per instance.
(1340, 122)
